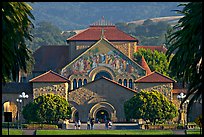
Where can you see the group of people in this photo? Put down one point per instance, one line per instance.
(77, 124)
(90, 123)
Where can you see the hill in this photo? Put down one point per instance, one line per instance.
(79, 15)
(170, 19)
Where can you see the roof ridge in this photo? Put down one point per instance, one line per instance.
(123, 53)
(118, 84)
(50, 71)
(39, 76)
(165, 76)
(107, 80)
(152, 74)
(144, 64)
(76, 34)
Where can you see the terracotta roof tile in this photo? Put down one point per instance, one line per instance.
(154, 77)
(143, 64)
(49, 76)
(177, 91)
(158, 48)
(111, 33)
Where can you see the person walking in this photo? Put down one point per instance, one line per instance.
(79, 124)
(92, 123)
(88, 123)
(75, 125)
(106, 124)
(109, 124)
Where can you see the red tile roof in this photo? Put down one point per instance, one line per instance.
(154, 77)
(143, 63)
(177, 91)
(158, 48)
(49, 76)
(111, 33)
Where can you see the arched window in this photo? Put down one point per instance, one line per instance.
(103, 74)
(85, 81)
(74, 84)
(130, 84)
(79, 83)
(125, 82)
(120, 81)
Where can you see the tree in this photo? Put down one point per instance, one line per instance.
(48, 108)
(16, 26)
(150, 105)
(157, 61)
(45, 33)
(186, 42)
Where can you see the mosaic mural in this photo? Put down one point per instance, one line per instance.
(101, 55)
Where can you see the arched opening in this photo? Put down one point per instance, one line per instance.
(120, 81)
(74, 84)
(102, 115)
(130, 84)
(10, 107)
(85, 81)
(79, 83)
(125, 82)
(103, 74)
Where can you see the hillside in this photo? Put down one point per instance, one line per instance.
(170, 19)
(78, 15)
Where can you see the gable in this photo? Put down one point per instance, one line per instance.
(103, 88)
(154, 77)
(49, 76)
(103, 53)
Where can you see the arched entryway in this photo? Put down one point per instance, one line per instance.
(101, 109)
(102, 115)
(10, 107)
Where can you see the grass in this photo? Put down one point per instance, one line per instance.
(12, 132)
(104, 132)
(193, 132)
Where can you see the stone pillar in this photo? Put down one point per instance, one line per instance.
(129, 50)
(135, 47)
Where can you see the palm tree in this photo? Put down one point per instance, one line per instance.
(16, 26)
(186, 43)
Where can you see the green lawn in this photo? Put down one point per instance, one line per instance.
(104, 132)
(12, 132)
(193, 132)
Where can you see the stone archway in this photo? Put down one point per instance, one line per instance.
(103, 106)
(9, 106)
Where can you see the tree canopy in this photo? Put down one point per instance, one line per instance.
(49, 108)
(45, 33)
(157, 61)
(16, 25)
(150, 105)
(186, 42)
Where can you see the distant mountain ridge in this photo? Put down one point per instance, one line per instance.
(168, 19)
(79, 15)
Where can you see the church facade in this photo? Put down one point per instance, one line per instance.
(96, 73)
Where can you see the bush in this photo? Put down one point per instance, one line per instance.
(41, 126)
(11, 124)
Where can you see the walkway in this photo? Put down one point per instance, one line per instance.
(179, 132)
(29, 132)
